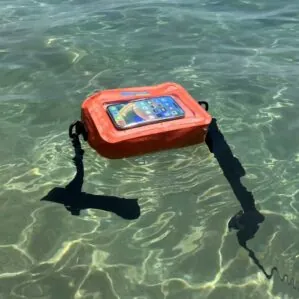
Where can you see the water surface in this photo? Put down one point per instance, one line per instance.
(241, 56)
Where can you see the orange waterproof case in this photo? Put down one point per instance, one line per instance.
(115, 143)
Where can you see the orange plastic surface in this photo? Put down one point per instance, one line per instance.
(112, 143)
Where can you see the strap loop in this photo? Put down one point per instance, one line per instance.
(79, 129)
(205, 104)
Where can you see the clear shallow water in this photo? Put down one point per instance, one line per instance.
(241, 56)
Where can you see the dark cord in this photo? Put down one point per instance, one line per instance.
(75, 200)
(246, 221)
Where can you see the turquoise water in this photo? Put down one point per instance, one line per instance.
(240, 56)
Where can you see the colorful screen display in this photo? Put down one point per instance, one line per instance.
(145, 111)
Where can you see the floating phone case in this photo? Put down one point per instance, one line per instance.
(112, 143)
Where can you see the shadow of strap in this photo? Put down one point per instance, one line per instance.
(246, 221)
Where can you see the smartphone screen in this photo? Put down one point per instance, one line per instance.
(144, 111)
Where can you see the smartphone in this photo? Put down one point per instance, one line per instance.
(141, 112)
